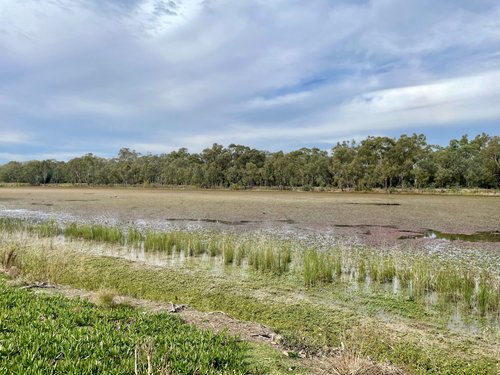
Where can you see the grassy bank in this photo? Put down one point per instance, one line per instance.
(316, 318)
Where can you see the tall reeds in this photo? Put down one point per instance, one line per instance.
(269, 257)
(319, 267)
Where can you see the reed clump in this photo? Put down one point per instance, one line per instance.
(270, 257)
(387, 271)
(361, 271)
(319, 267)
(228, 251)
(95, 232)
(105, 298)
(159, 242)
(134, 238)
(10, 225)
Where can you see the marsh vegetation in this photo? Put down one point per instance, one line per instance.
(262, 261)
(455, 283)
(408, 287)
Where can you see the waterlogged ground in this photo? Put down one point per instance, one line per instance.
(377, 219)
(459, 227)
(462, 229)
(375, 314)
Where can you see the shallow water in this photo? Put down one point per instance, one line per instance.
(491, 236)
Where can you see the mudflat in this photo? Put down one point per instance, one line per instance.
(373, 217)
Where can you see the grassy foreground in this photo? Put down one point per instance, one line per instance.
(314, 319)
(42, 334)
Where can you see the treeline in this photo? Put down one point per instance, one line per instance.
(376, 162)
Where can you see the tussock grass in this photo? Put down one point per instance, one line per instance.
(95, 232)
(229, 251)
(105, 298)
(387, 271)
(309, 324)
(164, 242)
(270, 257)
(373, 271)
(362, 271)
(487, 298)
(9, 256)
(319, 267)
(134, 238)
(11, 225)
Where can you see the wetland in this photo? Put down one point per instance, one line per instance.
(331, 276)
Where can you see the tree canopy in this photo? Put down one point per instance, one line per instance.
(375, 162)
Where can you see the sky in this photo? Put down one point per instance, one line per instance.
(93, 76)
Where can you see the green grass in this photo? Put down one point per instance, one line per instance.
(416, 277)
(323, 316)
(350, 284)
(95, 232)
(362, 271)
(270, 257)
(56, 335)
(319, 267)
(134, 238)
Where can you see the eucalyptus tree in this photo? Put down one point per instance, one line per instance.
(403, 159)
(375, 162)
(245, 165)
(457, 161)
(127, 166)
(88, 169)
(490, 154)
(11, 172)
(177, 168)
(372, 159)
(342, 168)
(216, 160)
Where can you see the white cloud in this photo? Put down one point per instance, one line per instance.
(156, 18)
(11, 137)
(460, 89)
(276, 101)
(39, 156)
(68, 105)
(192, 72)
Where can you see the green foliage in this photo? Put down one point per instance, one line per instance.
(361, 271)
(376, 162)
(270, 257)
(416, 278)
(134, 238)
(155, 241)
(310, 323)
(319, 267)
(95, 232)
(55, 335)
(387, 271)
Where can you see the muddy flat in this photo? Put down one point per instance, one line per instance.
(372, 218)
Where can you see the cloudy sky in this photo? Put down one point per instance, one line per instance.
(79, 76)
